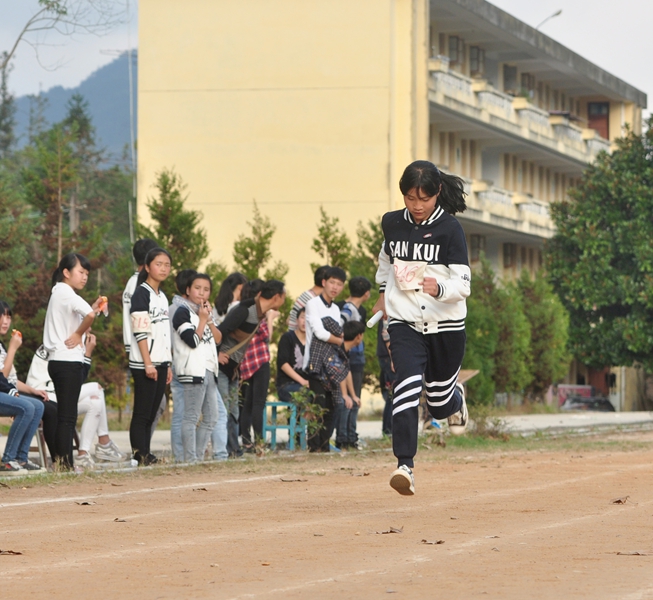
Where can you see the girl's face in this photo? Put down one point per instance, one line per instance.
(76, 277)
(237, 291)
(199, 291)
(419, 205)
(159, 268)
(5, 324)
(301, 322)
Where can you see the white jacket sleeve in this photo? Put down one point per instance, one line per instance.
(384, 270)
(457, 287)
(314, 321)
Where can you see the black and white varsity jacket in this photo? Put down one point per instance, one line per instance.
(149, 321)
(411, 251)
(193, 355)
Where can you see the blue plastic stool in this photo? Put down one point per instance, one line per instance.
(292, 427)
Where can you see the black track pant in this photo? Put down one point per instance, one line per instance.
(255, 392)
(67, 378)
(319, 441)
(431, 362)
(147, 399)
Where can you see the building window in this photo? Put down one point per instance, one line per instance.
(455, 50)
(598, 118)
(510, 79)
(509, 256)
(527, 85)
(476, 247)
(476, 61)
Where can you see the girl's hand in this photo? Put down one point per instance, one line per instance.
(348, 401)
(151, 372)
(223, 358)
(169, 376)
(357, 401)
(273, 314)
(16, 341)
(380, 305)
(91, 342)
(430, 286)
(73, 341)
(97, 305)
(305, 382)
(38, 393)
(205, 311)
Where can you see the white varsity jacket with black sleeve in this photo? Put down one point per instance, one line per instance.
(149, 320)
(411, 251)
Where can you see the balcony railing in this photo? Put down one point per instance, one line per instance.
(477, 100)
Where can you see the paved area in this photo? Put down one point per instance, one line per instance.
(517, 424)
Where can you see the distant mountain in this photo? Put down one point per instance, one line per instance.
(107, 93)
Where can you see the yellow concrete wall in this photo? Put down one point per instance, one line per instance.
(295, 103)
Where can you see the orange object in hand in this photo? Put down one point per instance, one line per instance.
(16, 332)
(104, 305)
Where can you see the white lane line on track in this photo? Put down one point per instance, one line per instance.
(134, 492)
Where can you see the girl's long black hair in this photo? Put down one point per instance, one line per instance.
(151, 255)
(425, 176)
(69, 261)
(226, 293)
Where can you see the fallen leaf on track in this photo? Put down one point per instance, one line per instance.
(117, 484)
(622, 500)
(491, 537)
(432, 543)
(10, 552)
(200, 490)
(86, 503)
(365, 474)
(632, 553)
(496, 549)
(265, 564)
(391, 530)
(292, 480)
(3, 485)
(117, 520)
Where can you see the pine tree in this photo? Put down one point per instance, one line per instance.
(549, 332)
(174, 227)
(331, 243)
(7, 111)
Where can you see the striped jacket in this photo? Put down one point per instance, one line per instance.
(411, 251)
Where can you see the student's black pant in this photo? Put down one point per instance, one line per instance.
(255, 392)
(147, 398)
(421, 360)
(319, 442)
(67, 378)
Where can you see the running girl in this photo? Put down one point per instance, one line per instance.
(67, 320)
(424, 278)
(149, 352)
(196, 366)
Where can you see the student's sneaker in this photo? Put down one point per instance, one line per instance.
(403, 481)
(85, 462)
(11, 467)
(458, 421)
(110, 452)
(28, 465)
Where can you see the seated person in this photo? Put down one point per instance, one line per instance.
(27, 413)
(91, 403)
(290, 358)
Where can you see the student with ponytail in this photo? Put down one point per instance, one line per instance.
(67, 320)
(149, 351)
(424, 279)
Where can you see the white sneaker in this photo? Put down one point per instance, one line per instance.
(458, 421)
(28, 465)
(17, 467)
(111, 453)
(85, 462)
(403, 481)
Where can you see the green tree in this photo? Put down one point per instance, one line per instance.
(512, 356)
(331, 243)
(482, 336)
(549, 332)
(174, 227)
(7, 110)
(252, 253)
(601, 259)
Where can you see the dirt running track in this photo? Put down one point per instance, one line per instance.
(519, 525)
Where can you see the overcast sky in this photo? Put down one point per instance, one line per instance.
(614, 34)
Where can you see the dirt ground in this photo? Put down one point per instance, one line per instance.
(522, 523)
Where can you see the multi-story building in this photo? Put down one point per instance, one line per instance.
(300, 104)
